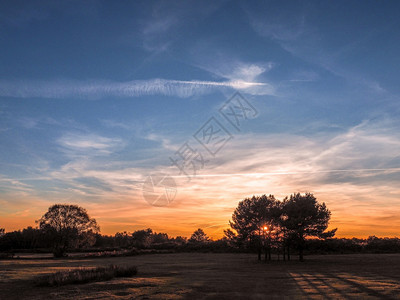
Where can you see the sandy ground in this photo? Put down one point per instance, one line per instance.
(215, 276)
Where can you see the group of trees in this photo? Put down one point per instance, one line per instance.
(264, 223)
(69, 227)
(147, 238)
(61, 228)
(261, 224)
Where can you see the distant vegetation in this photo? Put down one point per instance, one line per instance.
(260, 224)
(85, 275)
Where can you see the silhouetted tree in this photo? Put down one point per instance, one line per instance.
(123, 239)
(2, 232)
(302, 216)
(105, 241)
(68, 226)
(199, 236)
(142, 238)
(180, 240)
(255, 221)
(159, 238)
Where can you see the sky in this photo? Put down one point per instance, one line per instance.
(209, 101)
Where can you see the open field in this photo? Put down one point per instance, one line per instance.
(214, 276)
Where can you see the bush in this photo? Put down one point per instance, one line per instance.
(85, 275)
(114, 253)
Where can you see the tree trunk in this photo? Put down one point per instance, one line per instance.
(269, 254)
(288, 253)
(301, 247)
(259, 253)
(284, 253)
(301, 253)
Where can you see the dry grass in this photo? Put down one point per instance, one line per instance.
(213, 276)
(85, 275)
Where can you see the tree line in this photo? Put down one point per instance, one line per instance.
(261, 224)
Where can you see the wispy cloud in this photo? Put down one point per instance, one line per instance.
(135, 88)
(276, 29)
(296, 35)
(165, 142)
(240, 75)
(248, 73)
(75, 143)
(352, 170)
(154, 34)
(243, 71)
(13, 185)
(168, 20)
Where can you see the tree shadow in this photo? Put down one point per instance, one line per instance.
(308, 285)
(360, 287)
(300, 277)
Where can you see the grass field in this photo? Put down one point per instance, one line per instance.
(214, 276)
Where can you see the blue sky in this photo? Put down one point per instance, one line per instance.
(96, 95)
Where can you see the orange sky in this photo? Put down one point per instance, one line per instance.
(363, 201)
(357, 211)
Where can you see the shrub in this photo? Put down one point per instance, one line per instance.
(85, 275)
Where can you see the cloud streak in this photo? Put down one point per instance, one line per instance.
(136, 88)
(293, 173)
(354, 171)
(74, 144)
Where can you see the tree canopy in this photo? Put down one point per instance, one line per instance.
(264, 222)
(66, 226)
(250, 219)
(199, 236)
(302, 216)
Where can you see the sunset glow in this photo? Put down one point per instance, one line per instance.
(87, 118)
